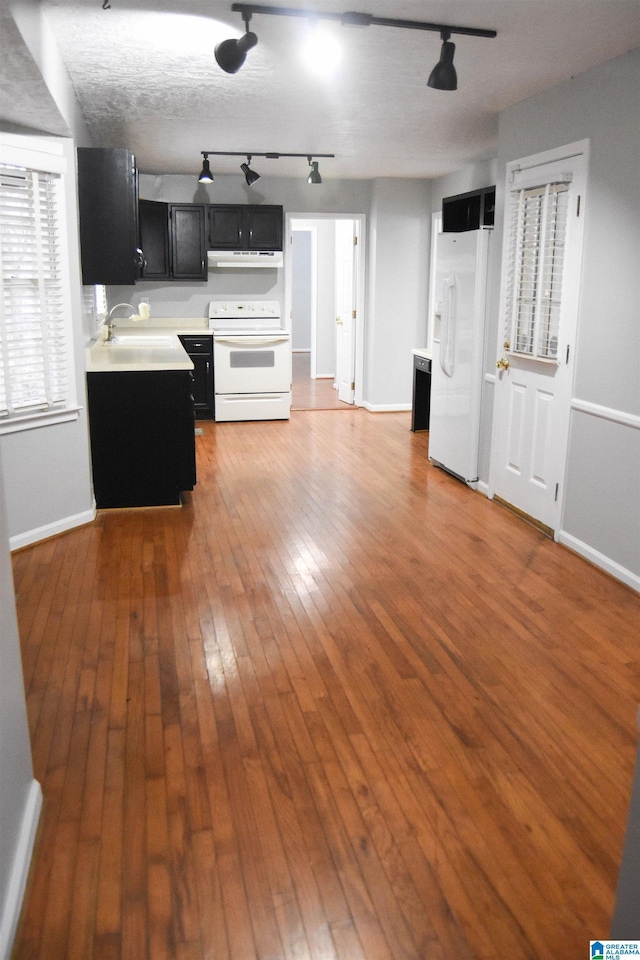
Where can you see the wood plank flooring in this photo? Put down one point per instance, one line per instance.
(308, 394)
(337, 707)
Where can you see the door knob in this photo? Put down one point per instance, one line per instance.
(338, 320)
(502, 363)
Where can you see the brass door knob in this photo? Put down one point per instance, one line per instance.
(502, 363)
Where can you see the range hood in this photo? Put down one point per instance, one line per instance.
(245, 258)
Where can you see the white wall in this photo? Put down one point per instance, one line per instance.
(191, 299)
(47, 478)
(31, 21)
(301, 292)
(47, 471)
(601, 517)
(20, 796)
(398, 277)
(397, 263)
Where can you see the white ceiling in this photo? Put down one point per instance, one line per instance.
(146, 78)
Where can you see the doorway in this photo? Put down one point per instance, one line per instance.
(324, 293)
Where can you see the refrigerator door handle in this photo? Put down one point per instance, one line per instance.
(447, 336)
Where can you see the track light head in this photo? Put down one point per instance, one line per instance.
(443, 76)
(231, 54)
(250, 175)
(314, 176)
(205, 174)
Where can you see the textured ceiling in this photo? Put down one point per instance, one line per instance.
(25, 101)
(146, 78)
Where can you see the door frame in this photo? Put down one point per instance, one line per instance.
(360, 321)
(578, 149)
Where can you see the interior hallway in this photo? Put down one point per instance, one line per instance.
(337, 707)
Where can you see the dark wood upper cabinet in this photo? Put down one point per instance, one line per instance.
(188, 241)
(154, 240)
(245, 227)
(469, 211)
(173, 238)
(264, 225)
(108, 212)
(226, 226)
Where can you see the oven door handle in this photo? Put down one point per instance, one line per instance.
(252, 340)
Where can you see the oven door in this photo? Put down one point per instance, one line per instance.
(256, 363)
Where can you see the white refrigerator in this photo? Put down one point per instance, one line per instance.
(458, 346)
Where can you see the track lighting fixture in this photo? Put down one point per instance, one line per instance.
(250, 175)
(314, 176)
(205, 174)
(231, 54)
(443, 76)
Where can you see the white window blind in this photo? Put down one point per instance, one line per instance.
(537, 228)
(33, 349)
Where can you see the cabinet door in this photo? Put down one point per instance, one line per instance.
(202, 387)
(264, 227)
(188, 250)
(200, 350)
(142, 437)
(108, 211)
(226, 226)
(154, 239)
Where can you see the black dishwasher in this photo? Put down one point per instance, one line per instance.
(421, 404)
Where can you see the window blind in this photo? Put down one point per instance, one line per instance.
(33, 349)
(537, 232)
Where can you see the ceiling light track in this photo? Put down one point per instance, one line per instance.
(351, 18)
(250, 175)
(231, 54)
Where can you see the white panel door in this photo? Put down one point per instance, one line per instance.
(539, 312)
(346, 287)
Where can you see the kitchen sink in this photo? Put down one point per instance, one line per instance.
(142, 340)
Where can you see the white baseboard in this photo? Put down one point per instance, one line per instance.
(20, 870)
(483, 488)
(52, 529)
(600, 560)
(385, 407)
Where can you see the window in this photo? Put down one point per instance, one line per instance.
(537, 226)
(36, 372)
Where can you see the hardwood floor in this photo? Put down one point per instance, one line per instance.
(336, 707)
(308, 394)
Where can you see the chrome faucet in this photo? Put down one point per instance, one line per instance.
(110, 324)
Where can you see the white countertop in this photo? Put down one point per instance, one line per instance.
(422, 352)
(140, 348)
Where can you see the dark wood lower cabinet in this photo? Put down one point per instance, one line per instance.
(142, 437)
(200, 350)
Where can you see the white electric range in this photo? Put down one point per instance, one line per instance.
(251, 360)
